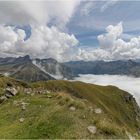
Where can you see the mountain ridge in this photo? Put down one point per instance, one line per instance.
(30, 70)
(119, 67)
(64, 109)
(25, 69)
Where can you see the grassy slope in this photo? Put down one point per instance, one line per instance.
(110, 98)
(8, 81)
(51, 118)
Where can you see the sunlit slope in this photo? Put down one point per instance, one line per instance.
(120, 105)
(8, 81)
(66, 110)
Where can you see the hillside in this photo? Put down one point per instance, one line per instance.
(63, 109)
(119, 67)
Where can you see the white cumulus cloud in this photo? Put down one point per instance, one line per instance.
(112, 46)
(45, 41)
(9, 40)
(36, 12)
(49, 42)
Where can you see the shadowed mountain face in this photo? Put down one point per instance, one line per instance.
(24, 68)
(119, 67)
(56, 69)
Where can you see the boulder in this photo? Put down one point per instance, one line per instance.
(11, 91)
(92, 129)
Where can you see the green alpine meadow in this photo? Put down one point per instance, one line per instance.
(64, 109)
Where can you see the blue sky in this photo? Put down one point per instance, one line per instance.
(92, 17)
(70, 29)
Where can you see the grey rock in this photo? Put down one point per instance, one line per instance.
(3, 98)
(92, 129)
(98, 110)
(72, 108)
(21, 120)
(11, 91)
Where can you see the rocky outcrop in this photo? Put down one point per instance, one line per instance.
(92, 129)
(8, 93)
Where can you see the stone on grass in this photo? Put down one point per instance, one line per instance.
(21, 120)
(98, 110)
(11, 91)
(92, 129)
(8, 95)
(23, 108)
(2, 98)
(24, 104)
(72, 108)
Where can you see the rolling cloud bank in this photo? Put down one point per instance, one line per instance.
(49, 37)
(129, 84)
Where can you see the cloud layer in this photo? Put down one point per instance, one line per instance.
(112, 46)
(47, 20)
(45, 41)
(126, 83)
(36, 12)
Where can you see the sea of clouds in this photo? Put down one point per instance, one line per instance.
(129, 84)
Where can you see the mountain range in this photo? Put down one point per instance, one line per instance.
(120, 67)
(31, 70)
